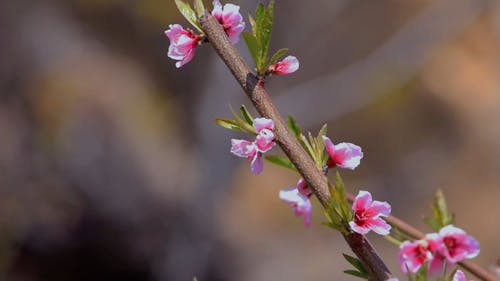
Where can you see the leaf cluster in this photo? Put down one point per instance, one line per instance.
(259, 39)
(338, 212)
(189, 14)
(314, 146)
(242, 122)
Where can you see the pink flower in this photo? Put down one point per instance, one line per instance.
(248, 150)
(456, 245)
(300, 203)
(413, 255)
(288, 65)
(182, 44)
(303, 188)
(265, 136)
(345, 155)
(253, 150)
(459, 276)
(230, 19)
(368, 213)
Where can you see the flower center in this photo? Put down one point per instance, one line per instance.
(450, 242)
(421, 253)
(360, 218)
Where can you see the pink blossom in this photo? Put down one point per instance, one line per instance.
(300, 203)
(230, 18)
(288, 65)
(248, 150)
(459, 276)
(303, 188)
(456, 245)
(413, 255)
(345, 155)
(368, 213)
(182, 44)
(265, 136)
(253, 150)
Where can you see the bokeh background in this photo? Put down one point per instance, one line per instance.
(112, 169)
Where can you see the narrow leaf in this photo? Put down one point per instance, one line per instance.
(253, 24)
(281, 161)
(243, 123)
(342, 199)
(307, 146)
(188, 13)
(440, 216)
(278, 56)
(355, 262)
(228, 124)
(265, 25)
(246, 115)
(322, 132)
(252, 46)
(292, 125)
(199, 7)
(356, 273)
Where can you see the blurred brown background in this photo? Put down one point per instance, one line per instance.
(112, 169)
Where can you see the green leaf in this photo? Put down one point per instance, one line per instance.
(228, 124)
(333, 213)
(440, 215)
(355, 262)
(322, 132)
(307, 146)
(278, 56)
(292, 125)
(199, 7)
(244, 125)
(188, 13)
(265, 25)
(246, 115)
(421, 274)
(252, 46)
(356, 273)
(281, 161)
(341, 198)
(253, 24)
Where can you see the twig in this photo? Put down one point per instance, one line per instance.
(254, 89)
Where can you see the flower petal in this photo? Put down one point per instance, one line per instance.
(263, 123)
(362, 201)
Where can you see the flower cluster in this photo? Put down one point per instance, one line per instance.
(450, 245)
(183, 42)
(298, 197)
(253, 150)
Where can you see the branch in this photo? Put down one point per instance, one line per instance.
(255, 91)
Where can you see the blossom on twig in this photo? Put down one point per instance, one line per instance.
(368, 213)
(344, 155)
(183, 43)
(253, 151)
(298, 198)
(288, 65)
(230, 18)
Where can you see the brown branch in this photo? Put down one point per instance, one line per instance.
(254, 89)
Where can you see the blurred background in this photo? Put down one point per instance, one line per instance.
(112, 169)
